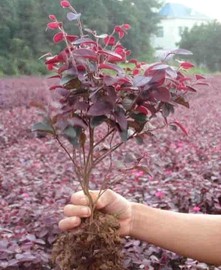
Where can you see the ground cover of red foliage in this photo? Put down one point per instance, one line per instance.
(36, 177)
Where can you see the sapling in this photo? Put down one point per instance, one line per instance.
(101, 100)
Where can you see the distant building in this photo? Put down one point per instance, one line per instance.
(175, 19)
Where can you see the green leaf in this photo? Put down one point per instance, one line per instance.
(43, 126)
(139, 139)
(70, 82)
(67, 79)
(183, 102)
(70, 132)
(139, 117)
(124, 135)
(167, 109)
(97, 120)
(173, 127)
(127, 103)
(73, 134)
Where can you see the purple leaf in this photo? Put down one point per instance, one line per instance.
(120, 118)
(112, 67)
(31, 237)
(73, 16)
(140, 80)
(86, 53)
(162, 94)
(84, 41)
(100, 108)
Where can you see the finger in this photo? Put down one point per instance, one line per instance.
(71, 210)
(69, 223)
(79, 198)
(106, 199)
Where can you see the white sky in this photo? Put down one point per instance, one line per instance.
(210, 8)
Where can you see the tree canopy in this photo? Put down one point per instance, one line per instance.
(205, 44)
(23, 24)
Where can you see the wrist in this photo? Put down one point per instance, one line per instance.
(134, 219)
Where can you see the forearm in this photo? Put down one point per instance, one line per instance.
(190, 235)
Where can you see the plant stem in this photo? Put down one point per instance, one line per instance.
(107, 153)
(76, 167)
(109, 132)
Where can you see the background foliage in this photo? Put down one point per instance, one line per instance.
(24, 39)
(36, 177)
(205, 44)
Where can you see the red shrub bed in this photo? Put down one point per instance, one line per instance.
(36, 177)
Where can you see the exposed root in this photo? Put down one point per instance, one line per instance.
(96, 245)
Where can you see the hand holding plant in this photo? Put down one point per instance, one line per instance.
(112, 203)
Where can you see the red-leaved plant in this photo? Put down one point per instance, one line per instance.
(98, 88)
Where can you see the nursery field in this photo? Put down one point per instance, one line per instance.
(36, 177)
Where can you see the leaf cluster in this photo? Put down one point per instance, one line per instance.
(99, 86)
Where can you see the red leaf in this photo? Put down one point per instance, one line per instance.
(126, 26)
(53, 25)
(65, 4)
(120, 31)
(181, 127)
(50, 66)
(55, 87)
(142, 109)
(136, 71)
(58, 37)
(186, 65)
(110, 40)
(71, 38)
(52, 17)
(200, 77)
(134, 61)
(54, 59)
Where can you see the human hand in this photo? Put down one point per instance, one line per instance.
(110, 202)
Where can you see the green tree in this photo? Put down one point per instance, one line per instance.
(205, 44)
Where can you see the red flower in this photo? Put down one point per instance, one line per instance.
(53, 25)
(65, 4)
(109, 40)
(58, 37)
